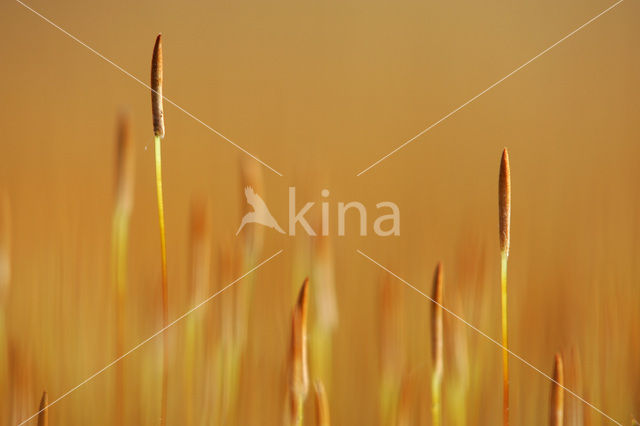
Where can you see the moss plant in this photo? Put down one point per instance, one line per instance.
(158, 132)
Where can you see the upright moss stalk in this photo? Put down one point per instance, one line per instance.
(119, 242)
(392, 351)
(5, 279)
(404, 411)
(158, 132)
(298, 367)
(199, 288)
(250, 247)
(5, 252)
(437, 346)
(326, 312)
(323, 417)
(504, 207)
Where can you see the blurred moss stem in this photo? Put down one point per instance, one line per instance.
(505, 341)
(120, 238)
(190, 361)
(236, 345)
(300, 412)
(165, 299)
(125, 171)
(436, 392)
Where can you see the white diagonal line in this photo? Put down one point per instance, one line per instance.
(156, 334)
(127, 73)
(485, 335)
(490, 87)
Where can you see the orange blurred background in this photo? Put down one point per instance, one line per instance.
(319, 91)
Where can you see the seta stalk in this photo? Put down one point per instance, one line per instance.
(298, 366)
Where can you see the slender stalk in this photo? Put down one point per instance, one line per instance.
(505, 342)
(404, 411)
(250, 248)
(119, 241)
(5, 279)
(165, 303)
(436, 398)
(299, 411)
(392, 354)
(323, 417)
(5, 250)
(158, 131)
(504, 210)
(326, 312)
(299, 371)
(437, 347)
(194, 349)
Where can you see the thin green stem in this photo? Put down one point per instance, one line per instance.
(120, 238)
(436, 397)
(165, 302)
(190, 363)
(299, 413)
(505, 342)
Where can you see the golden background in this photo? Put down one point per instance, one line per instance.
(319, 91)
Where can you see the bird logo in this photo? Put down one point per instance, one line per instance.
(260, 213)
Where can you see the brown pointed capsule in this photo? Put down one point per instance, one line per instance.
(43, 415)
(156, 89)
(437, 344)
(557, 393)
(504, 203)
